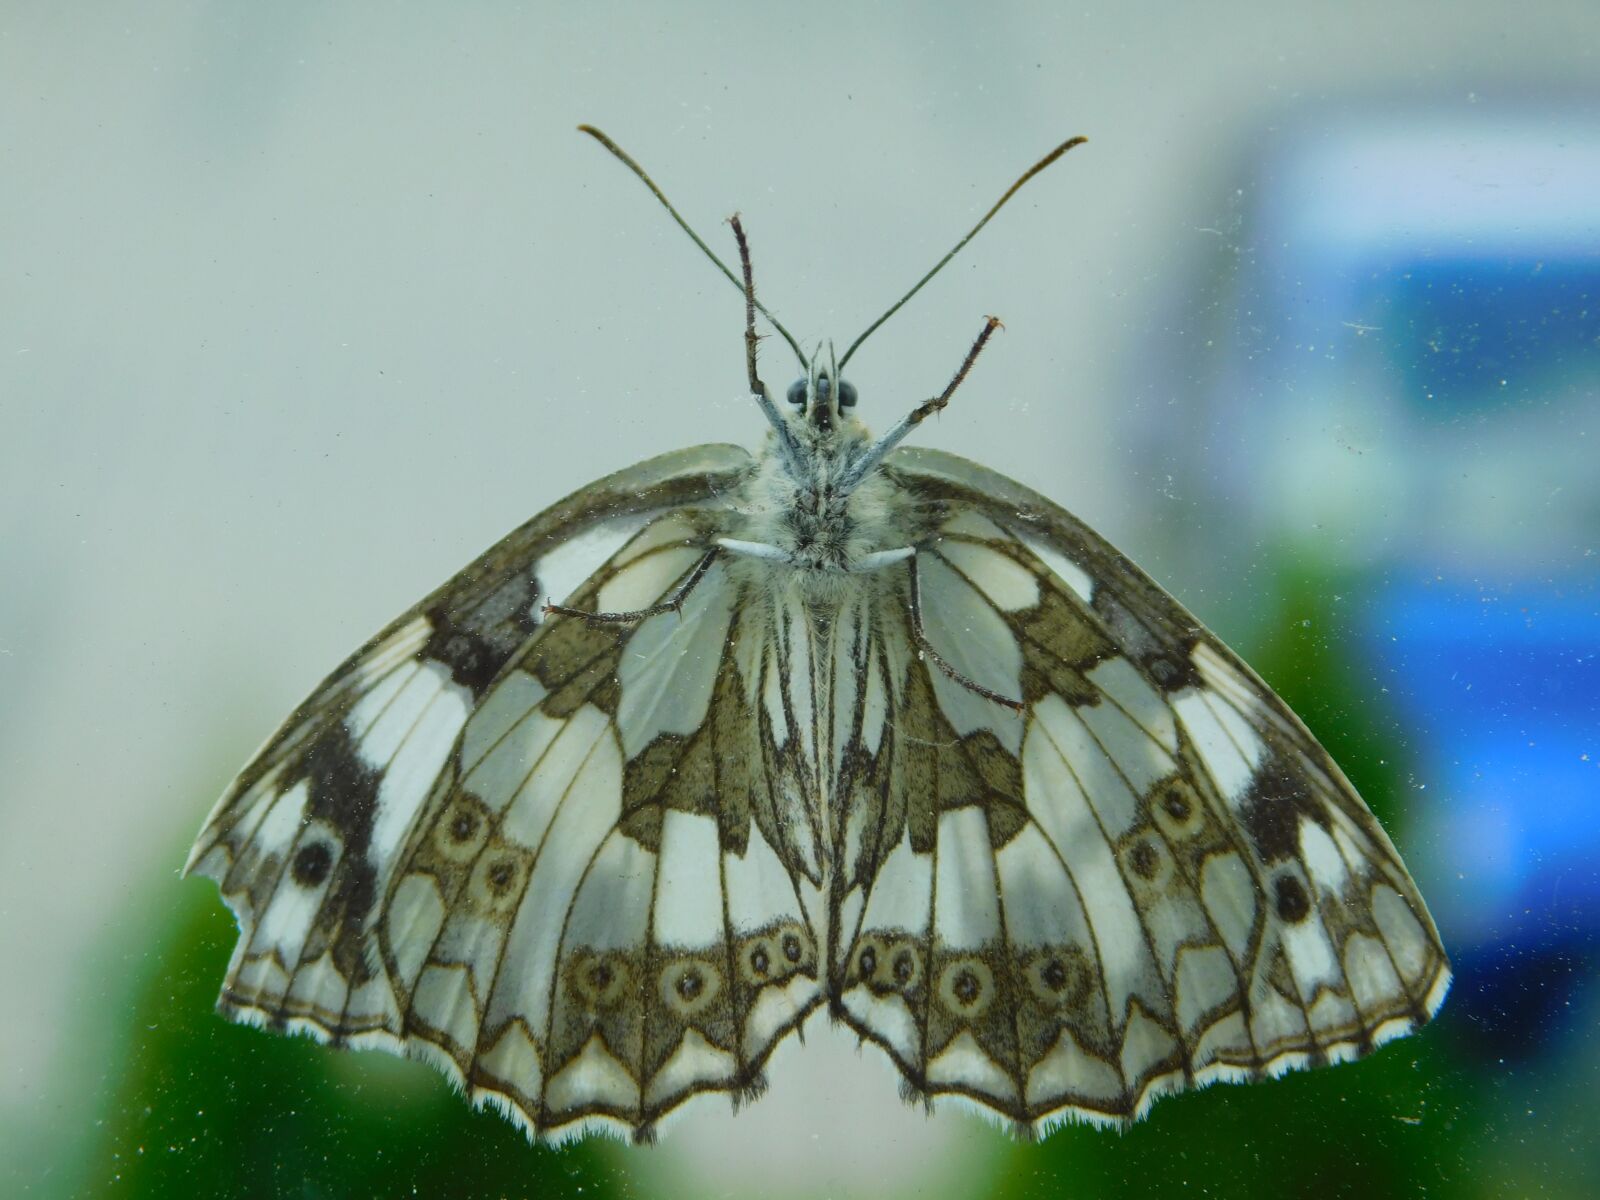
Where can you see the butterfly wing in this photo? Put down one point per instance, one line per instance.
(1150, 877)
(487, 837)
(596, 915)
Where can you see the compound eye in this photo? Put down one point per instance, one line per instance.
(797, 392)
(847, 394)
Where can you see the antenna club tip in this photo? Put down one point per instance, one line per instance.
(1060, 150)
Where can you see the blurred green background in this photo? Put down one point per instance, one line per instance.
(304, 305)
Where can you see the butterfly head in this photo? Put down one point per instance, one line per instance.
(818, 403)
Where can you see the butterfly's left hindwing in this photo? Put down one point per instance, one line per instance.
(1149, 876)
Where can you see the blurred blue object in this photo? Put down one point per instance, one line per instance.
(1411, 405)
(1503, 690)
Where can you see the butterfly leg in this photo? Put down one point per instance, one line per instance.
(879, 450)
(925, 648)
(764, 550)
(673, 603)
(758, 389)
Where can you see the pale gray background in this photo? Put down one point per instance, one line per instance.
(304, 305)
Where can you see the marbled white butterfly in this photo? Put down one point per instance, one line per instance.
(724, 737)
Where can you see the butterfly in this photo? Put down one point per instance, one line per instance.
(725, 737)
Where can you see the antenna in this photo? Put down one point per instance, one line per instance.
(627, 160)
(956, 249)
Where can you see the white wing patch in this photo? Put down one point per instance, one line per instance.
(969, 633)
(688, 912)
(668, 672)
(966, 898)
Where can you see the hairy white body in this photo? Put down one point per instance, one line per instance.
(814, 524)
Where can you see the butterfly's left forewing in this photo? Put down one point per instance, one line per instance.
(1148, 877)
(540, 853)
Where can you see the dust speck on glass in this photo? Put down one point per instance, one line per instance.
(723, 738)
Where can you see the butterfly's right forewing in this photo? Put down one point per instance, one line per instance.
(1146, 876)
